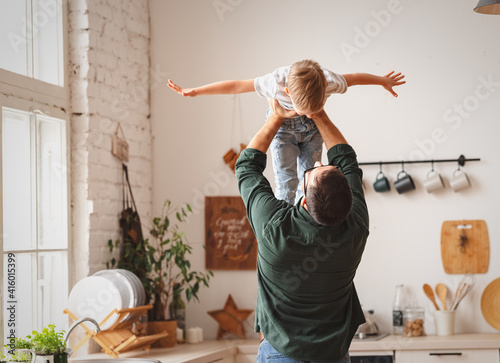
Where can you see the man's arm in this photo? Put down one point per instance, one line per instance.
(217, 88)
(330, 133)
(388, 81)
(341, 154)
(265, 135)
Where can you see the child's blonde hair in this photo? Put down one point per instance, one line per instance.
(307, 85)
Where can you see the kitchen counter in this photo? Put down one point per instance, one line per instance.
(206, 351)
(212, 350)
(457, 341)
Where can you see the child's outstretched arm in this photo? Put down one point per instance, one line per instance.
(388, 81)
(217, 88)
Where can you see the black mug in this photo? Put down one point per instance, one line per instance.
(404, 183)
(381, 184)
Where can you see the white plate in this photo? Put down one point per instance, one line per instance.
(122, 283)
(138, 287)
(95, 297)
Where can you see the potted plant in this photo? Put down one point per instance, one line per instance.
(22, 347)
(48, 342)
(19, 356)
(165, 256)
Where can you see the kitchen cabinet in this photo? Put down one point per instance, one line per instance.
(246, 358)
(451, 356)
(222, 360)
(459, 348)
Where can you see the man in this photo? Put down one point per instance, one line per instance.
(307, 305)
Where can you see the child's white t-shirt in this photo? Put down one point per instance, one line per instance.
(272, 85)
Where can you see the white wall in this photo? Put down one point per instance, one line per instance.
(109, 82)
(442, 47)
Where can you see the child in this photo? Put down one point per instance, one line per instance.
(303, 87)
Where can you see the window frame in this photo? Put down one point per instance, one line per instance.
(28, 94)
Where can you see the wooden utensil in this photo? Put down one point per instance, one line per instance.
(441, 292)
(430, 294)
(465, 246)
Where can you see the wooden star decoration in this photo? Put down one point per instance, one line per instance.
(230, 319)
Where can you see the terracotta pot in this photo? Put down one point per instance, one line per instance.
(169, 326)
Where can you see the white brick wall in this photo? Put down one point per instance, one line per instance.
(110, 81)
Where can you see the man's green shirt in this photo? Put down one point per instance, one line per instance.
(307, 305)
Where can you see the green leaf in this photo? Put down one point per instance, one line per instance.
(179, 216)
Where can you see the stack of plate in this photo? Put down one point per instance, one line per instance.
(96, 296)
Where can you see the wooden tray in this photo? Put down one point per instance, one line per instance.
(490, 304)
(465, 246)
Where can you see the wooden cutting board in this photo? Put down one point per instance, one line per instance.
(465, 246)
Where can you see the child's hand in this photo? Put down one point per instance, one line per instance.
(280, 111)
(188, 92)
(391, 80)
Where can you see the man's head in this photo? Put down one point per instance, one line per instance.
(327, 195)
(307, 87)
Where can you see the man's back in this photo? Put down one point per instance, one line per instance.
(305, 271)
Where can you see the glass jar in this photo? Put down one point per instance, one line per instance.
(414, 322)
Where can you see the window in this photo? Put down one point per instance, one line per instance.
(35, 220)
(34, 227)
(31, 39)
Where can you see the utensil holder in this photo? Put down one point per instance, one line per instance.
(445, 322)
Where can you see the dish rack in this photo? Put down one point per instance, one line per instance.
(119, 338)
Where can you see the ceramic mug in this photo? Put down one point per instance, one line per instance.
(433, 182)
(381, 184)
(404, 183)
(459, 181)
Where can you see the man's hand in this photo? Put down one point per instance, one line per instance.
(265, 135)
(278, 110)
(391, 80)
(188, 92)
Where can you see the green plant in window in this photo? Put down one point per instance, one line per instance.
(19, 357)
(48, 341)
(21, 343)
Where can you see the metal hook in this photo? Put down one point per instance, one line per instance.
(461, 160)
(380, 166)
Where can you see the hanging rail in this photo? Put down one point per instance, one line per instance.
(461, 161)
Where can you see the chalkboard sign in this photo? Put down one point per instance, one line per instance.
(229, 239)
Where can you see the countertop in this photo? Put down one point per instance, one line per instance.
(429, 342)
(202, 352)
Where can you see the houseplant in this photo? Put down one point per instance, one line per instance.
(22, 344)
(50, 342)
(166, 259)
(20, 350)
(18, 356)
